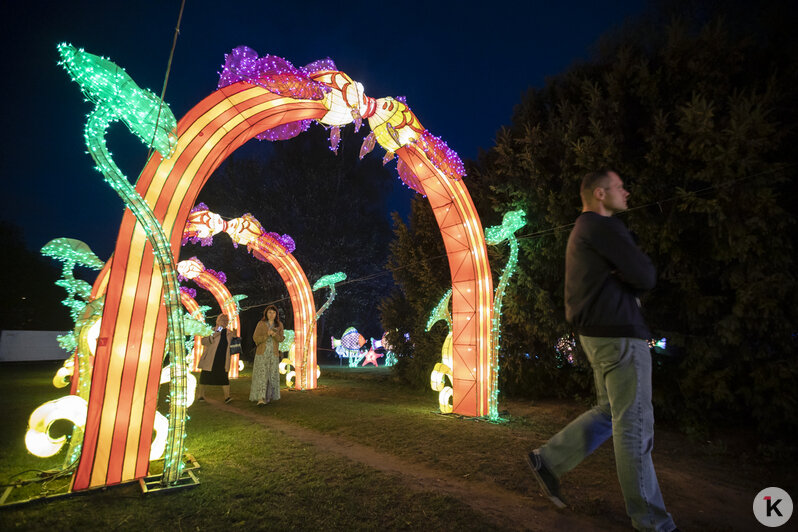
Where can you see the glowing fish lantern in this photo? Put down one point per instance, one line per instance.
(349, 346)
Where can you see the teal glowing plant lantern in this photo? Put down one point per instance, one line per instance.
(117, 98)
(441, 379)
(71, 253)
(512, 222)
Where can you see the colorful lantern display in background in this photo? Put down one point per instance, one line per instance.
(511, 222)
(371, 357)
(214, 282)
(117, 97)
(348, 346)
(441, 377)
(277, 250)
(661, 344)
(382, 343)
(255, 96)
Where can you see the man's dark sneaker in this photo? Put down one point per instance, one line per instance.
(228, 399)
(548, 482)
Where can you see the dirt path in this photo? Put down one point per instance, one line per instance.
(506, 508)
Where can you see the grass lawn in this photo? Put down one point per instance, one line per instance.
(362, 453)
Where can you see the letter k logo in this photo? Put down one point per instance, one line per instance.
(772, 506)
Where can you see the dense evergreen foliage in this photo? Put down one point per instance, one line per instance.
(697, 113)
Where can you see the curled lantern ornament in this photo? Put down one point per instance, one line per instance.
(441, 378)
(38, 439)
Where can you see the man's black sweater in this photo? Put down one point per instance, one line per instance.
(605, 272)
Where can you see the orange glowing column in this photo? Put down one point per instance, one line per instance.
(472, 285)
(193, 308)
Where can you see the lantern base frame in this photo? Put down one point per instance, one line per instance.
(187, 479)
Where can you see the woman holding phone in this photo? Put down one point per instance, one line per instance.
(265, 376)
(215, 360)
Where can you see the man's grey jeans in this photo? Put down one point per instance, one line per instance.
(622, 372)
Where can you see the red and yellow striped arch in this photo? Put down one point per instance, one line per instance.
(131, 344)
(224, 298)
(193, 308)
(130, 349)
(247, 230)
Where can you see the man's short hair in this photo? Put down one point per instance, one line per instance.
(592, 181)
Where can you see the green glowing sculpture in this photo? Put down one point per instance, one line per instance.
(441, 378)
(325, 281)
(329, 282)
(194, 327)
(441, 312)
(117, 97)
(512, 222)
(285, 345)
(72, 253)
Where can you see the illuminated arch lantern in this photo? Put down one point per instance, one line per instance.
(277, 250)
(214, 282)
(268, 97)
(187, 296)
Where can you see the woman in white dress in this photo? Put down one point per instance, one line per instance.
(265, 375)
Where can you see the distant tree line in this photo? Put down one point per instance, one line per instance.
(30, 298)
(695, 107)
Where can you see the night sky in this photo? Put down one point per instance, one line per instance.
(461, 65)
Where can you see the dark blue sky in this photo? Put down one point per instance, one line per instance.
(461, 65)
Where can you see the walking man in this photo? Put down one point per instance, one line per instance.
(605, 273)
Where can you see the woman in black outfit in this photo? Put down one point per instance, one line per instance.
(215, 360)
